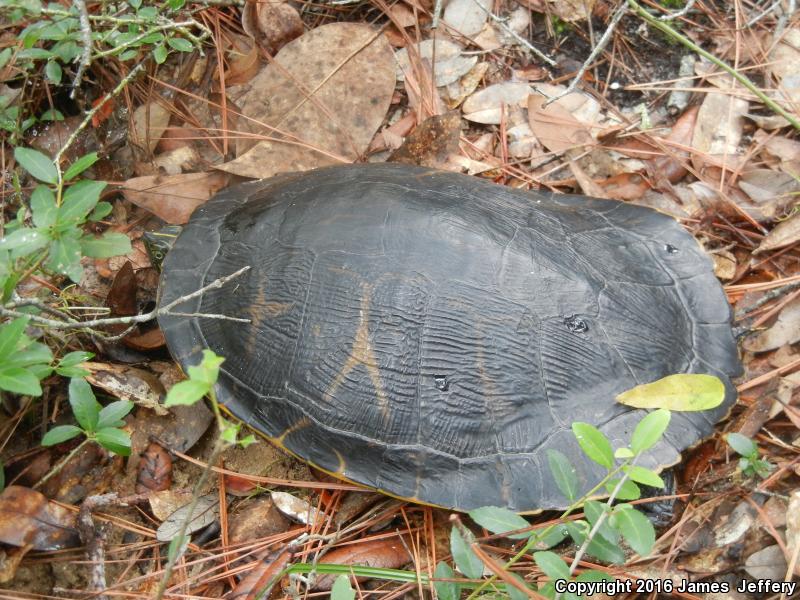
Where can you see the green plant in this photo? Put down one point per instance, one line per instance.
(750, 464)
(342, 590)
(25, 362)
(98, 423)
(599, 533)
(55, 239)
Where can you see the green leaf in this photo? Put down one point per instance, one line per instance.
(592, 575)
(229, 433)
(115, 440)
(51, 115)
(128, 55)
(177, 546)
(108, 245)
(65, 258)
(742, 445)
(84, 405)
(75, 358)
(564, 474)
(112, 414)
(102, 210)
(80, 165)
(551, 565)
(684, 392)
(513, 592)
(649, 430)
(628, 491)
(644, 476)
(500, 520)
(52, 71)
(593, 511)
(623, 453)
(208, 369)
(342, 590)
(24, 241)
(180, 44)
(59, 434)
(446, 590)
(160, 54)
(636, 529)
(43, 206)
(601, 548)
(34, 354)
(19, 381)
(595, 445)
(37, 164)
(186, 392)
(247, 441)
(547, 536)
(10, 335)
(466, 560)
(79, 200)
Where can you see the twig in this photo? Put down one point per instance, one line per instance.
(665, 28)
(159, 312)
(622, 9)
(501, 22)
(679, 14)
(60, 465)
(86, 37)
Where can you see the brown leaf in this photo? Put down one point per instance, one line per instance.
(786, 330)
(254, 519)
(9, 561)
(783, 234)
(260, 580)
(173, 198)
(431, 143)
(28, 518)
(625, 186)
(381, 554)
(670, 166)
(271, 24)
(155, 470)
(554, 125)
(121, 297)
(718, 131)
(148, 124)
(126, 383)
(152, 339)
(322, 99)
(793, 530)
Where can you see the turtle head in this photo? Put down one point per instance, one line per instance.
(158, 243)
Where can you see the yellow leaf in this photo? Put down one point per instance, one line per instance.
(685, 392)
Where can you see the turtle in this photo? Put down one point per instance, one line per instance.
(431, 335)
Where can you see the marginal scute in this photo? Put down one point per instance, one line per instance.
(433, 335)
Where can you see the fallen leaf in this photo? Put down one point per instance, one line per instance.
(786, 330)
(243, 63)
(148, 124)
(261, 577)
(724, 265)
(166, 502)
(255, 519)
(205, 512)
(487, 105)
(466, 17)
(450, 64)
(783, 234)
(431, 143)
(773, 190)
(767, 563)
(572, 10)
(10, 558)
(783, 61)
(155, 470)
(320, 101)
(683, 392)
(173, 198)
(126, 383)
(456, 92)
(718, 131)
(29, 518)
(793, 530)
(295, 508)
(625, 186)
(379, 554)
(271, 24)
(556, 127)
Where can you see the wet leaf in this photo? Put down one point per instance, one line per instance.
(636, 529)
(682, 392)
(155, 470)
(321, 101)
(27, 517)
(37, 164)
(594, 444)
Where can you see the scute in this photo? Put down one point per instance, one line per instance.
(433, 335)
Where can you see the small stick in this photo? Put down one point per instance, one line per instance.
(86, 37)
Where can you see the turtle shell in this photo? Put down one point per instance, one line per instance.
(431, 335)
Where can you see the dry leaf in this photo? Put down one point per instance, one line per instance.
(322, 100)
(767, 563)
(450, 64)
(786, 330)
(488, 105)
(255, 518)
(155, 470)
(724, 265)
(784, 66)
(379, 554)
(173, 198)
(554, 125)
(205, 512)
(29, 518)
(466, 17)
(793, 531)
(243, 62)
(148, 124)
(783, 234)
(295, 508)
(718, 131)
(572, 10)
(271, 24)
